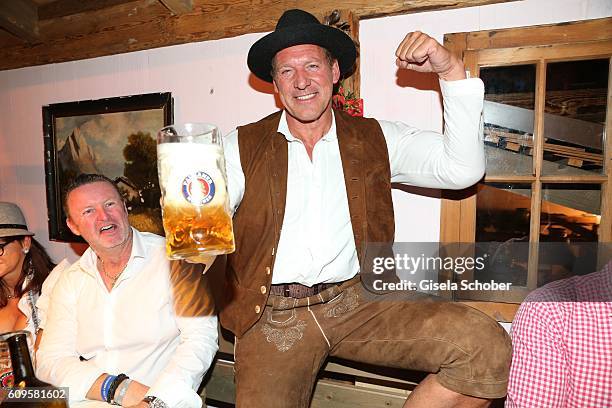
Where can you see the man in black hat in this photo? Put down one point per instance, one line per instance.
(311, 188)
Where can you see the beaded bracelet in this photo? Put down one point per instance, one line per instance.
(113, 387)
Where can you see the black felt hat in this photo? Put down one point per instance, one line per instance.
(296, 27)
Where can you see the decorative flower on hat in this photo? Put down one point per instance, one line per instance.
(344, 98)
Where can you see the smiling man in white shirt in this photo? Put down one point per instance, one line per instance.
(125, 325)
(311, 188)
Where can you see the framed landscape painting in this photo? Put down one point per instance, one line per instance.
(115, 137)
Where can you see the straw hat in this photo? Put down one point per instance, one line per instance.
(12, 221)
(296, 27)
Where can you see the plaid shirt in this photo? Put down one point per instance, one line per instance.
(562, 345)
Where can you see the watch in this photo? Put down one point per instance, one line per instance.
(155, 402)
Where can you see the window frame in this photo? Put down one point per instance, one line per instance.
(538, 45)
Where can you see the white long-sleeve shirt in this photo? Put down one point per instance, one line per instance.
(316, 242)
(132, 329)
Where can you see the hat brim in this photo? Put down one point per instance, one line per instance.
(14, 232)
(336, 41)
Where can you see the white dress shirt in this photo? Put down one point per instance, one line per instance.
(132, 329)
(316, 242)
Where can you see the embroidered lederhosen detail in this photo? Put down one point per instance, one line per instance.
(347, 301)
(286, 333)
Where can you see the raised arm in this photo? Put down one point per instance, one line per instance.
(452, 160)
(420, 52)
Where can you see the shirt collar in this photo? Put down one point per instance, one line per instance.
(283, 128)
(89, 259)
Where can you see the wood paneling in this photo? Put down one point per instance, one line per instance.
(62, 8)
(178, 7)
(9, 40)
(351, 20)
(562, 33)
(20, 17)
(139, 25)
(557, 52)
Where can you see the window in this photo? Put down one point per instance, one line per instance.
(546, 116)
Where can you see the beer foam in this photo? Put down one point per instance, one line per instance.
(180, 163)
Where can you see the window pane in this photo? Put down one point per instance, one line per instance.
(508, 116)
(502, 212)
(569, 224)
(502, 215)
(575, 116)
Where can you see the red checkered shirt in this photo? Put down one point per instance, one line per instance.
(562, 345)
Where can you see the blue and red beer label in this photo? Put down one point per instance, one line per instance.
(198, 188)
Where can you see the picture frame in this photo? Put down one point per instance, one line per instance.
(115, 137)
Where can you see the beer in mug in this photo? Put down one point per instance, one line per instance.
(193, 183)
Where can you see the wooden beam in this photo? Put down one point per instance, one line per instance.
(142, 25)
(349, 23)
(560, 33)
(62, 8)
(20, 18)
(493, 56)
(178, 7)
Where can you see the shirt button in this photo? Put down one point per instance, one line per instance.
(267, 270)
(263, 290)
(257, 309)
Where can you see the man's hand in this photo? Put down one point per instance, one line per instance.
(421, 53)
(134, 395)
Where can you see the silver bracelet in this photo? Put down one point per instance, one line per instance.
(121, 391)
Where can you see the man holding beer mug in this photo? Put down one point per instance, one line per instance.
(311, 187)
(125, 325)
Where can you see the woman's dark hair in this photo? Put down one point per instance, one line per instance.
(38, 264)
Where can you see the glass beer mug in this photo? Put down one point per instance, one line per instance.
(195, 203)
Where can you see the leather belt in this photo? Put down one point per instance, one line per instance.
(298, 291)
